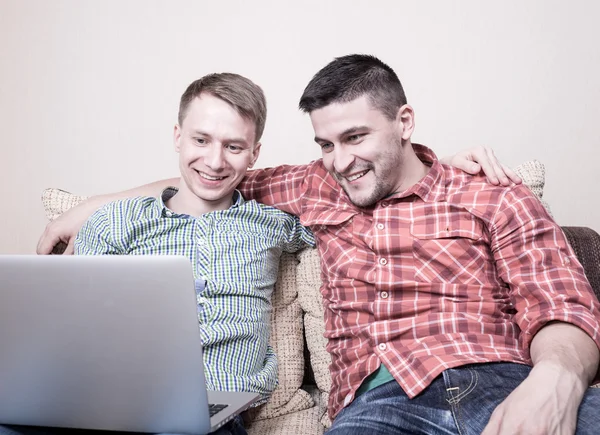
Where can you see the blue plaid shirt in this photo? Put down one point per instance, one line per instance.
(235, 254)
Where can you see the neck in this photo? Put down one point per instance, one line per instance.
(186, 202)
(413, 169)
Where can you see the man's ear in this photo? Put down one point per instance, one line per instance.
(406, 121)
(255, 154)
(176, 137)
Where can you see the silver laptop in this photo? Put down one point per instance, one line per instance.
(105, 342)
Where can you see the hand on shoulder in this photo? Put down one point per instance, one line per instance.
(478, 159)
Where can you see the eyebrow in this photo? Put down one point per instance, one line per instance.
(237, 140)
(346, 132)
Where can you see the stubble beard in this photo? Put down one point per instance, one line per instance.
(384, 185)
(377, 193)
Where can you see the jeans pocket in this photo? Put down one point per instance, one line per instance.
(475, 390)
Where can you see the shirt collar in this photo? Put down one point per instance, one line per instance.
(169, 192)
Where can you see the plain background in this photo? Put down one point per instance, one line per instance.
(89, 90)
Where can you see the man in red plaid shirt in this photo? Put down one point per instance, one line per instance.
(452, 305)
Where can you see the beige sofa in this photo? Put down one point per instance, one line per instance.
(298, 405)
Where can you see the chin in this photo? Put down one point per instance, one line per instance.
(360, 202)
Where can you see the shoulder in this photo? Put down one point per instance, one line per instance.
(260, 218)
(265, 211)
(476, 193)
(131, 208)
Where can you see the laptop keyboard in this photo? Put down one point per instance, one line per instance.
(213, 408)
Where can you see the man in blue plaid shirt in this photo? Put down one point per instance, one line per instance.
(234, 245)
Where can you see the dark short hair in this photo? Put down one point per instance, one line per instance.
(349, 77)
(246, 97)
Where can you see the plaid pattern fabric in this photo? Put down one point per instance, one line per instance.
(235, 254)
(451, 272)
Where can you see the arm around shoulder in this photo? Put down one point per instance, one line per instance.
(64, 229)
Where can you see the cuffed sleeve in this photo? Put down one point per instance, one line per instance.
(546, 279)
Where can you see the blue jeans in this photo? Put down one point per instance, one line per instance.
(460, 401)
(234, 427)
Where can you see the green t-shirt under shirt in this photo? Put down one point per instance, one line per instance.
(375, 379)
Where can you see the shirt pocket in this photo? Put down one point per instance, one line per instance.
(449, 248)
(334, 231)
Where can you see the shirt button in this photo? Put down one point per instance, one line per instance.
(169, 214)
(380, 226)
(382, 261)
(384, 295)
(348, 399)
(382, 346)
(384, 204)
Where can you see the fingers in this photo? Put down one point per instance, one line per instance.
(70, 249)
(496, 172)
(465, 162)
(484, 159)
(512, 175)
(51, 243)
(489, 165)
(47, 242)
(494, 426)
(500, 175)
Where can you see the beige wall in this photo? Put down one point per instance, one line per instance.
(89, 89)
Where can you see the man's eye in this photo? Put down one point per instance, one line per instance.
(354, 137)
(200, 141)
(326, 146)
(234, 148)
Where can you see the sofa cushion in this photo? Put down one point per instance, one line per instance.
(287, 334)
(309, 283)
(533, 174)
(56, 202)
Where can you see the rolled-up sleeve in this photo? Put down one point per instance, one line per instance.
(533, 257)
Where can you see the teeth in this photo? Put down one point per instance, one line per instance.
(208, 177)
(356, 176)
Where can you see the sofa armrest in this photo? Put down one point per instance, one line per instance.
(586, 244)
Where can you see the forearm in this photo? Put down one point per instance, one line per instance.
(565, 359)
(281, 187)
(151, 189)
(567, 349)
(154, 189)
(63, 230)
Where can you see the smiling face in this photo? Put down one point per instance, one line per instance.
(363, 149)
(216, 147)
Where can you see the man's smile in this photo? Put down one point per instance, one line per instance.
(357, 175)
(209, 177)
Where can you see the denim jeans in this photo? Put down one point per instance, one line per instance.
(460, 401)
(234, 427)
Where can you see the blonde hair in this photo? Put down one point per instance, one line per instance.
(246, 97)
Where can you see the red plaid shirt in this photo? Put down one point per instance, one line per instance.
(450, 272)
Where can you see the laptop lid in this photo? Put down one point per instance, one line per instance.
(102, 342)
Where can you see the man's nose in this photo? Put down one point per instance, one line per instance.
(215, 157)
(342, 159)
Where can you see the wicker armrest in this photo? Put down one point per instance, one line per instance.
(586, 244)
